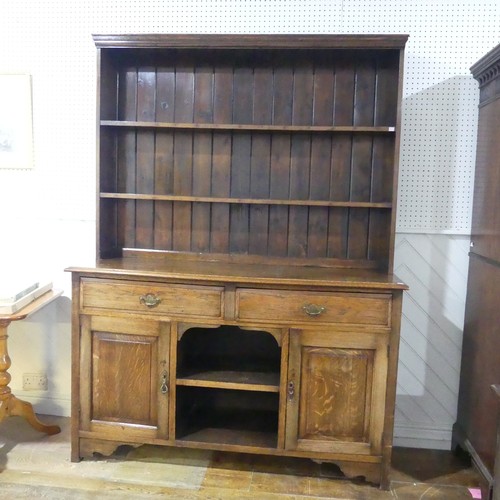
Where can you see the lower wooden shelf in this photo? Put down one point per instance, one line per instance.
(233, 412)
(232, 437)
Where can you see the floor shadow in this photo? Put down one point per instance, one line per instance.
(425, 465)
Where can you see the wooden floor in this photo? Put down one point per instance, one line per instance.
(33, 465)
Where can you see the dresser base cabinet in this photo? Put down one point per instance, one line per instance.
(317, 381)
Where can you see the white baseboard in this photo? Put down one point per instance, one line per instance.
(57, 405)
(429, 437)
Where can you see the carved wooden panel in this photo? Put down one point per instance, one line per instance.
(122, 366)
(336, 389)
(335, 394)
(126, 360)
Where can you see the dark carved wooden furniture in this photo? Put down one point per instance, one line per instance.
(475, 429)
(243, 299)
(496, 471)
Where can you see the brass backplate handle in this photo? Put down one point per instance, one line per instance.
(149, 300)
(313, 309)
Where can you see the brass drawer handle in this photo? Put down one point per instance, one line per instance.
(313, 309)
(149, 300)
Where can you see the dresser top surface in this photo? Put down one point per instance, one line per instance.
(162, 267)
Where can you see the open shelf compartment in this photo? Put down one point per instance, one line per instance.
(229, 357)
(227, 417)
(227, 386)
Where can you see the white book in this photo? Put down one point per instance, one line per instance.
(16, 305)
(11, 292)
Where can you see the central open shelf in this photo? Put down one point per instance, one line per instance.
(227, 386)
(228, 354)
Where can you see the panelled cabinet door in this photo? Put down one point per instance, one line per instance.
(126, 393)
(336, 391)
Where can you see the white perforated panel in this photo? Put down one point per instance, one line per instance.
(51, 40)
(439, 119)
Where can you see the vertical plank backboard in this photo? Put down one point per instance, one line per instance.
(145, 161)
(241, 155)
(221, 167)
(280, 158)
(202, 157)
(183, 160)
(126, 158)
(260, 167)
(343, 105)
(164, 155)
(387, 78)
(300, 164)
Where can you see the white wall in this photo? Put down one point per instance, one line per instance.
(48, 213)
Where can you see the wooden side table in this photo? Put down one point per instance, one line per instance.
(9, 404)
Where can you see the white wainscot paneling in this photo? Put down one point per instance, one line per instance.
(435, 269)
(41, 343)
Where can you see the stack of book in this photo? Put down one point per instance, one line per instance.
(16, 295)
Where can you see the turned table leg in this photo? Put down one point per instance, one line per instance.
(9, 404)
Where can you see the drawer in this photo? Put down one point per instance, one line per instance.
(152, 298)
(295, 306)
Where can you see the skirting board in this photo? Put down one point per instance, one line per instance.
(59, 406)
(412, 436)
(460, 440)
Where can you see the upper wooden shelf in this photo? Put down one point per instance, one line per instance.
(246, 127)
(245, 201)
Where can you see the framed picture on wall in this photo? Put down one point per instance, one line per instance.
(16, 122)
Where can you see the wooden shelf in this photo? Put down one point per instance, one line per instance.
(237, 380)
(245, 201)
(232, 437)
(255, 428)
(246, 127)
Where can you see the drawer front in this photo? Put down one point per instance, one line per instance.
(291, 306)
(153, 298)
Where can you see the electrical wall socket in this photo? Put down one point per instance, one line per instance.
(34, 382)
